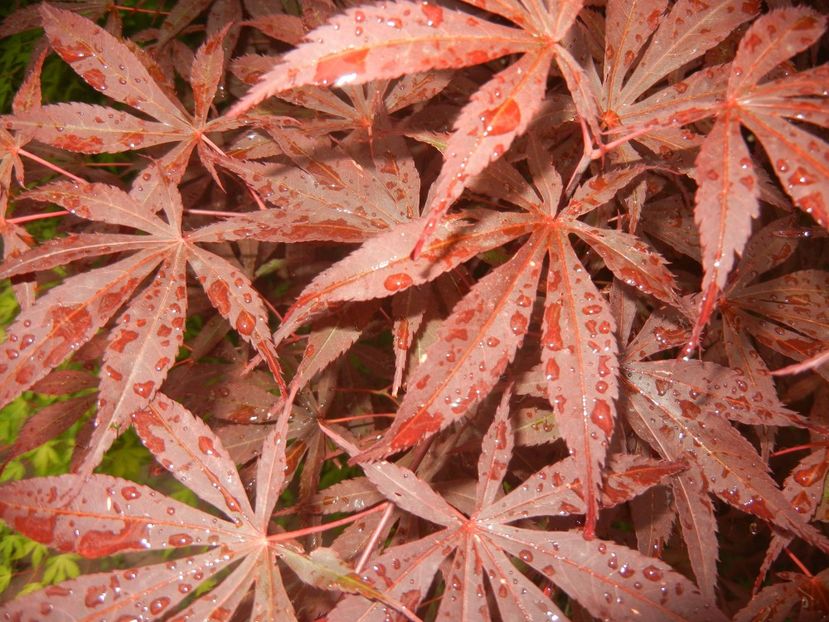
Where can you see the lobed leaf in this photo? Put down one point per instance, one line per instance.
(140, 352)
(383, 266)
(101, 203)
(88, 128)
(65, 318)
(624, 584)
(475, 345)
(386, 41)
(99, 515)
(107, 65)
(579, 359)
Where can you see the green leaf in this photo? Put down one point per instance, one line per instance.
(61, 567)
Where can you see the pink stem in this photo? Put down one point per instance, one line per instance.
(32, 217)
(207, 212)
(49, 165)
(375, 536)
(290, 535)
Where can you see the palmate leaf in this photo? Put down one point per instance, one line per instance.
(93, 53)
(645, 42)
(475, 345)
(679, 408)
(369, 105)
(479, 340)
(144, 344)
(726, 200)
(391, 39)
(687, 30)
(728, 461)
(557, 271)
(623, 584)
(331, 197)
(790, 309)
(112, 68)
(386, 41)
(98, 516)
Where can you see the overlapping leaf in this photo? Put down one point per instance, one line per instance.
(391, 39)
(110, 67)
(727, 198)
(533, 276)
(99, 515)
(622, 583)
(144, 344)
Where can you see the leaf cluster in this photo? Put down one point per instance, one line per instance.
(417, 310)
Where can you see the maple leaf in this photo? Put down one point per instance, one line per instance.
(480, 338)
(144, 344)
(99, 515)
(112, 68)
(545, 285)
(776, 602)
(726, 200)
(785, 314)
(482, 546)
(681, 408)
(482, 335)
(368, 107)
(643, 45)
(391, 39)
(331, 195)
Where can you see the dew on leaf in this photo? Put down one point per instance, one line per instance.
(433, 14)
(180, 539)
(652, 573)
(130, 493)
(245, 323)
(206, 445)
(602, 417)
(398, 281)
(338, 69)
(501, 120)
(144, 389)
(159, 605)
(219, 295)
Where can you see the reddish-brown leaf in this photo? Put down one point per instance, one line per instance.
(65, 318)
(101, 203)
(88, 128)
(498, 112)
(107, 65)
(386, 41)
(728, 461)
(383, 266)
(103, 515)
(233, 296)
(579, 358)
(193, 454)
(141, 350)
(474, 347)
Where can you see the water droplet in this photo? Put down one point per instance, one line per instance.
(396, 282)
